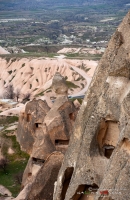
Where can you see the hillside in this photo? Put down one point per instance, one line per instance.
(34, 75)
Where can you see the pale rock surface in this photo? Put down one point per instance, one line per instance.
(4, 191)
(3, 51)
(35, 75)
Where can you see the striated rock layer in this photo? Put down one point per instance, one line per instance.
(96, 165)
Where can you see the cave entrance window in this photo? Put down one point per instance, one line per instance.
(29, 174)
(66, 181)
(28, 117)
(107, 137)
(37, 161)
(71, 116)
(108, 150)
(61, 142)
(37, 125)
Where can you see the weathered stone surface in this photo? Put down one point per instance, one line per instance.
(98, 155)
(59, 84)
(35, 113)
(44, 182)
(47, 131)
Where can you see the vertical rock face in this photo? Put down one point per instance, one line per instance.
(45, 134)
(35, 112)
(96, 165)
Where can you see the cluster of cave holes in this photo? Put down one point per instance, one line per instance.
(108, 137)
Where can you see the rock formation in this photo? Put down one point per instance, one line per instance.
(34, 114)
(96, 165)
(34, 75)
(3, 51)
(44, 133)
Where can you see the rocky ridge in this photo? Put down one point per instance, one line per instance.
(34, 75)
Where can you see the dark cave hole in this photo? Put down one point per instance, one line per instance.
(107, 137)
(37, 160)
(66, 181)
(71, 116)
(29, 174)
(37, 125)
(61, 142)
(108, 150)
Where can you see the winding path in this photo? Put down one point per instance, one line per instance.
(83, 74)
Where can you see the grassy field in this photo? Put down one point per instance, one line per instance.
(16, 162)
(7, 178)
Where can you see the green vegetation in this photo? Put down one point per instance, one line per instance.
(16, 162)
(40, 94)
(8, 120)
(7, 178)
(79, 18)
(71, 85)
(18, 155)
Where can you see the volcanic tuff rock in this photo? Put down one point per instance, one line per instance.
(59, 84)
(97, 161)
(45, 134)
(34, 75)
(35, 112)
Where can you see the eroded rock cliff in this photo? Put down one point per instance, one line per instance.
(96, 165)
(44, 133)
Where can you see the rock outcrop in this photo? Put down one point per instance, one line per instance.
(96, 165)
(34, 114)
(44, 133)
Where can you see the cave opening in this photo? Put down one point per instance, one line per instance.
(37, 125)
(107, 137)
(108, 150)
(71, 116)
(66, 181)
(29, 174)
(61, 142)
(37, 160)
